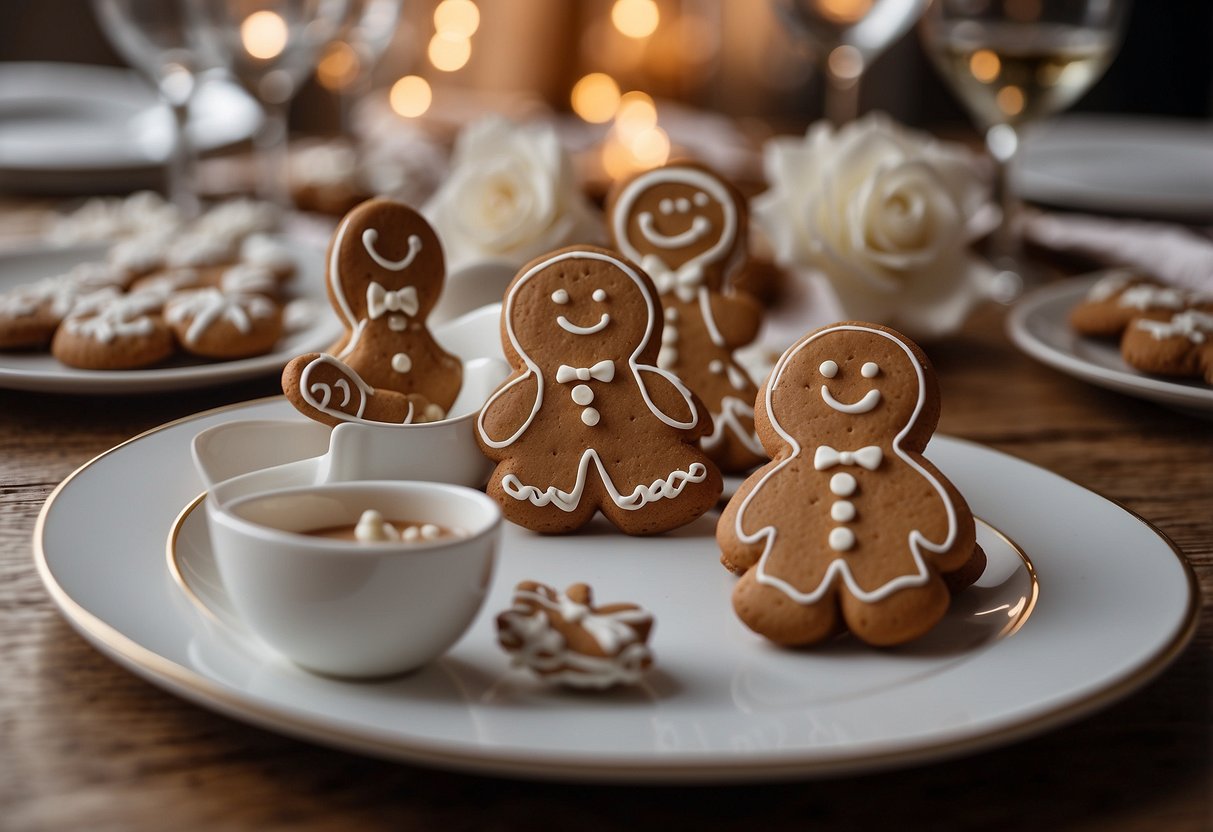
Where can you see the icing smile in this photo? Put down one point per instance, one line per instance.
(699, 227)
(569, 326)
(371, 236)
(870, 400)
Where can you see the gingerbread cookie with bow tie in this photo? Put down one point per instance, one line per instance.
(587, 422)
(687, 228)
(848, 527)
(385, 273)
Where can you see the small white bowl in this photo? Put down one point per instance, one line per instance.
(349, 609)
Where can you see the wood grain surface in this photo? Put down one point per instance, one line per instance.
(86, 745)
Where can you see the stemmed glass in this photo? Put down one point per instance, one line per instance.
(365, 33)
(1013, 62)
(846, 36)
(270, 47)
(154, 36)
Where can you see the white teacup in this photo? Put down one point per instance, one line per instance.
(352, 609)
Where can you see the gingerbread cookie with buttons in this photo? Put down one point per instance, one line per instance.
(385, 273)
(687, 227)
(848, 527)
(565, 638)
(587, 422)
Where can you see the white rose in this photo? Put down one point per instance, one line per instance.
(511, 195)
(886, 215)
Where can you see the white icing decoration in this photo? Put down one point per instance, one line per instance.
(843, 485)
(716, 366)
(262, 250)
(248, 277)
(601, 371)
(839, 568)
(543, 649)
(380, 301)
(868, 457)
(61, 293)
(669, 335)
(683, 204)
(737, 377)
(666, 206)
(371, 236)
(570, 327)
(344, 386)
(201, 248)
(122, 317)
(434, 412)
(308, 390)
(372, 528)
(560, 296)
(700, 227)
(841, 539)
(868, 402)
(667, 358)
(869, 370)
(334, 278)
(583, 395)
(590, 416)
(401, 363)
(829, 369)
(599, 295)
(1152, 297)
(729, 419)
(671, 314)
(689, 275)
(842, 511)
(667, 488)
(1191, 324)
(1110, 284)
(206, 307)
(701, 199)
(397, 323)
(705, 310)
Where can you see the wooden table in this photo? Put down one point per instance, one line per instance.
(85, 744)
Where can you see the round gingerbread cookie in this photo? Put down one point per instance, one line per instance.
(212, 324)
(125, 333)
(30, 314)
(269, 253)
(587, 422)
(385, 273)
(848, 527)
(687, 228)
(1121, 297)
(247, 278)
(1180, 346)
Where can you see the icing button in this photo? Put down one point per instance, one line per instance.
(843, 511)
(716, 366)
(671, 314)
(582, 394)
(401, 363)
(667, 357)
(843, 485)
(397, 323)
(841, 539)
(590, 416)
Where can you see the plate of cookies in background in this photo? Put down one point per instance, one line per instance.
(1126, 332)
(128, 298)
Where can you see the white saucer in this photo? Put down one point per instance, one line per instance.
(73, 127)
(1039, 325)
(1123, 164)
(24, 370)
(1116, 603)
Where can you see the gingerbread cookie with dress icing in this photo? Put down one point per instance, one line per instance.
(848, 527)
(587, 422)
(687, 227)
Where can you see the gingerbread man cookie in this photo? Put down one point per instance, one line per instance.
(587, 421)
(848, 527)
(323, 388)
(686, 226)
(565, 638)
(385, 273)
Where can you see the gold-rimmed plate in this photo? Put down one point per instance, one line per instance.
(1116, 603)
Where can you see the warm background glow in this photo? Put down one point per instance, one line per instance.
(595, 98)
(411, 96)
(635, 18)
(459, 17)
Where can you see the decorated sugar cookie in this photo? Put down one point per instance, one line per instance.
(1122, 297)
(564, 638)
(587, 421)
(119, 333)
(1179, 346)
(686, 226)
(215, 324)
(848, 527)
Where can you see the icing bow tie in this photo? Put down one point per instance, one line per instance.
(380, 300)
(868, 457)
(602, 371)
(683, 282)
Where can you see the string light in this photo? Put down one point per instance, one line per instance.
(339, 66)
(595, 98)
(635, 18)
(455, 21)
(637, 113)
(984, 65)
(410, 96)
(449, 52)
(264, 35)
(460, 17)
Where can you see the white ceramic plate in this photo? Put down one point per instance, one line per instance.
(1122, 164)
(1039, 325)
(25, 370)
(1116, 603)
(76, 126)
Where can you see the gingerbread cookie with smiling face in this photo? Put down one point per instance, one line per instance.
(848, 527)
(686, 226)
(385, 273)
(587, 422)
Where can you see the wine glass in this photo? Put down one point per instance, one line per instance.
(847, 35)
(1013, 62)
(270, 47)
(365, 34)
(154, 36)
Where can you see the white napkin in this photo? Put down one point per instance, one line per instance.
(1169, 252)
